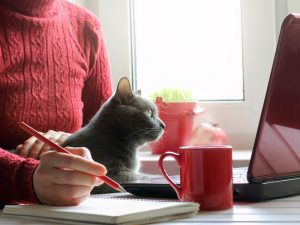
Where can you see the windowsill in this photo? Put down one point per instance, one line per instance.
(148, 162)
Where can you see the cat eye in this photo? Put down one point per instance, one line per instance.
(149, 113)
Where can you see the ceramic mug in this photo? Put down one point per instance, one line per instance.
(205, 175)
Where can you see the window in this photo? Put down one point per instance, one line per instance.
(192, 45)
(252, 52)
(260, 23)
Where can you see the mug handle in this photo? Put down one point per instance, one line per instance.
(164, 173)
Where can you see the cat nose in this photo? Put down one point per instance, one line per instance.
(162, 124)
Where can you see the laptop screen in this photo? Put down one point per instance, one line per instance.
(276, 151)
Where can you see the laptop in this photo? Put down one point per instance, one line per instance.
(274, 169)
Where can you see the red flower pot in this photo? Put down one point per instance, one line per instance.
(179, 119)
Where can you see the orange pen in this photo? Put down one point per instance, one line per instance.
(58, 148)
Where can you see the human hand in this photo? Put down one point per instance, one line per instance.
(33, 147)
(66, 179)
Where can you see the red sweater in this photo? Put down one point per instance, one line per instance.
(54, 74)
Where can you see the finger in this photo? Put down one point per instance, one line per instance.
(62, 138)
(51, 135)
(71, 191)
(18, 148)
(74, 162)
(56, 194)
(81, 151)
(74, 177)
(38, 145)
(35, 149)
(75, 201)
(25, 149)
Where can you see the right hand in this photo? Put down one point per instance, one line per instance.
(66, 179)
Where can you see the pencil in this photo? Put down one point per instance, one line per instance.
(58, 148)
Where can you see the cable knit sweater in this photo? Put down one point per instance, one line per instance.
(54, 74)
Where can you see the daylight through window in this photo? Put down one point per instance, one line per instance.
(193, 45)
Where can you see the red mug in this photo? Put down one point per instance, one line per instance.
(205, 175)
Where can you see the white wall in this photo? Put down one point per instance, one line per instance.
(284, 7)
(293, 6)
(81, 3)
(115, 14)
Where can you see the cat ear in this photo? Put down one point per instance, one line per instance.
(124, 88)
(138, 92)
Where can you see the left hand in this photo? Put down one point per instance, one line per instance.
(33, 147)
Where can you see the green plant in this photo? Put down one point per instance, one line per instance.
(173, 95)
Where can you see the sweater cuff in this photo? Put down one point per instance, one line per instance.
(24, 178)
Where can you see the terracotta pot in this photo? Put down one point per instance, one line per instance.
(179, 119)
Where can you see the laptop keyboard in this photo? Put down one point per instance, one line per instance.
(162, 180)
(239, 175)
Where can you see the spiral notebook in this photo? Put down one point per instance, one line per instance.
(108, 209)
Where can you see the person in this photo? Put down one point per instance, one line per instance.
(54, 76)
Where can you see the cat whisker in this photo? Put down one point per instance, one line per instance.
(147, 132)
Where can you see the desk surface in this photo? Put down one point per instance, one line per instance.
(280, 211)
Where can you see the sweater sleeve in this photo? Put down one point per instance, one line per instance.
(16, 175)
(97, 86)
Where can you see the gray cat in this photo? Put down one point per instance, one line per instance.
(124, 123)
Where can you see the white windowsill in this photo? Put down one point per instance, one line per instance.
(148, 162)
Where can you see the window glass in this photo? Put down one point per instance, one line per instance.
(192, 45)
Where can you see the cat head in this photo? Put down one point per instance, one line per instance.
(133, 117)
